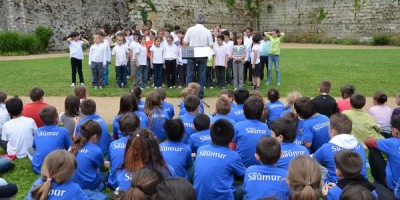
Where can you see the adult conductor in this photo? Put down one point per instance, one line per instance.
(198, 36)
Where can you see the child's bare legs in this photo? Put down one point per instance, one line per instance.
(256, 81)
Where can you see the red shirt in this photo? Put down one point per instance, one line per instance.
(32, 110)
(148, 44)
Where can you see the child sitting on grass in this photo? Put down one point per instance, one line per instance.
(344, 104)
(192, 106)
(222, 109)
(274, 106)
(324, 103)
(156, 115)
(240, 95)
(202, 137)
(165, 105)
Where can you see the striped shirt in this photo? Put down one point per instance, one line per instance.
(238, 50)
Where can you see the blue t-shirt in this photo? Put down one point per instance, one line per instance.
(116, 157)
(289, 152)
(169, 108)
(325, 156)
(199, 139)
(391, 147)
(247, 134)
(156, 123)
(237, 113)
(232, 104)
(187, 120)
(177, 155)
(66, 191)
(286, 110)
(141, 105)
(316, 130)
(144, 120)
(215, 168)
(46, 140)
(262, 181)
(299, 133)
(335, 192)
(218, 116)
(115, 126)
(89, 159)
(274, 110)
(105, 138)
(183, 111)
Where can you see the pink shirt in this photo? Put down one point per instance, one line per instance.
(382, 115)
(343, 105)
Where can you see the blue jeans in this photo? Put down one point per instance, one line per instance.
(97, 73)
(273, 59)
(120, 71)
(202, 65)
(141, 76)
(105, 77)
(157, 69)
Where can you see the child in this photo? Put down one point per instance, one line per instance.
(107, 42)
(324, 103)
(133, 50)
(274, 106)
(210, 71)
(32, 110)
(97, 61)
(7, 190)
(76, 55)
(344, 104)
(264, 46)
(315, 126)
(294, 118)
(128, 124)
(255, 61)
(165, 105)
(48, 138)
(284, 131)
(229, 46)
(157, 61)
(156, 115)
(121, 56)
(192, 106)
(88, 109)
(192, 88)
(238, 55)
(217, 184)
(290, 99)
(249, 132)
(67, 119)
(396, 111)
(81, 92)
(222, 109)
(175, 188)
(304, 178)
(364, 125)
(170, 57)
(149, 44)
(276, 38)
(125, 106)
(182, 63)
(144, 120)
(220, 61)
(356, 192)
(55, 181)
(90, 160)
(17, 135)
(341, 139)
(266, 180)
(4, 116)
(138, 94)
(381, 113)
(228, 94)
(240, 96)
(202, 137)
(141, 63)
(175, 153)
(348, 167)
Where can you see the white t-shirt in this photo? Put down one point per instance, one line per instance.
(171, 52)
(158, 54)
(4, 116)
(98, 53)
(256, 48)
(220, 53)
(108, 48)
(229, 46)
(19, 134)
(198, 36)
(75, 49)
(120, 52)
(142, 55)
(133, 46)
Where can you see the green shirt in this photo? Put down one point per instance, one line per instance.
(275, 46)
(210, 61)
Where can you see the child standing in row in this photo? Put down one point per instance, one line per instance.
(238, 55)
(76, 55)
(121, 56)
(182, 63)
(220, 61)
(97, 61)
(255, 60)
(157, 61)
(141, 63)
(170, 57)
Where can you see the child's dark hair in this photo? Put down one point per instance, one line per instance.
(125, 104)
(235, 41)
(59, 166)
(153, 101)
(74, 34)
(225, 33)
(87, 131)
(276, 31)
(36, 94)
(169, 37)
(341, 123)
(88, 107)
(71, 106)
(347, 91)
(161, 92)
(174, 129)
(248, 28)
(175, 189)
(80, 91)
(134, 102)
(221, 132)
(273, 95)
(201, 122)
(284, 127)
(221, 37)
(128, 123)
(395, 122)
(191, 102)
(256, 38)
(253, 108)
(141, 37)
(292, 117)
(3, 97)
(356, 192)
(228, 93)
(49, 115)
(241, 95)
(268, 150)
(304, 107)
(324, 86)
(14, 106)
(380, 97)
(137, 92)
(349, 163)
(357, 101)
(223, 106)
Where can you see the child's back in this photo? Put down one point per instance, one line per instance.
(316, 130)
(325, 104)
(290, 151)
(177, 155)
(274, 107)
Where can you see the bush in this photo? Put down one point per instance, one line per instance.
(30, 43)
(9, 41)
(44, 35)
(381, 39)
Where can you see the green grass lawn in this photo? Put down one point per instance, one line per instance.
(301, 69)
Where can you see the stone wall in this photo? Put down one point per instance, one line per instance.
(361, 19)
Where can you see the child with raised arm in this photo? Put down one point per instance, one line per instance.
(121, 56)
(324, 103)
(217, 184)
(220, 64)
(276, 38)
(266, 180)
(97, 61)
(344, 104)
(192, 106)
(274, 106)
(202, 135)
(238, 55)
(76, 55)
(156, 115)
(240, 96)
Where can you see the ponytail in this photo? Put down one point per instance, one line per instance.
(87, 130)
(136, 154)
(133, 193)
(78, 144)
(41, 192)
(308, 192)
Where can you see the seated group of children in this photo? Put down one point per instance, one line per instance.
(247, 149)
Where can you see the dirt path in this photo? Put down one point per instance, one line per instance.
(284, 46)
(108, 107)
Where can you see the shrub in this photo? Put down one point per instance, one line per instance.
(44, 35)
(30, 43)
(381, 39)
(9, 41)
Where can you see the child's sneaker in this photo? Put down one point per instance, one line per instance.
(73, 85)
(95, 87)
(100, 87)
(278, 83)
(82, 84)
